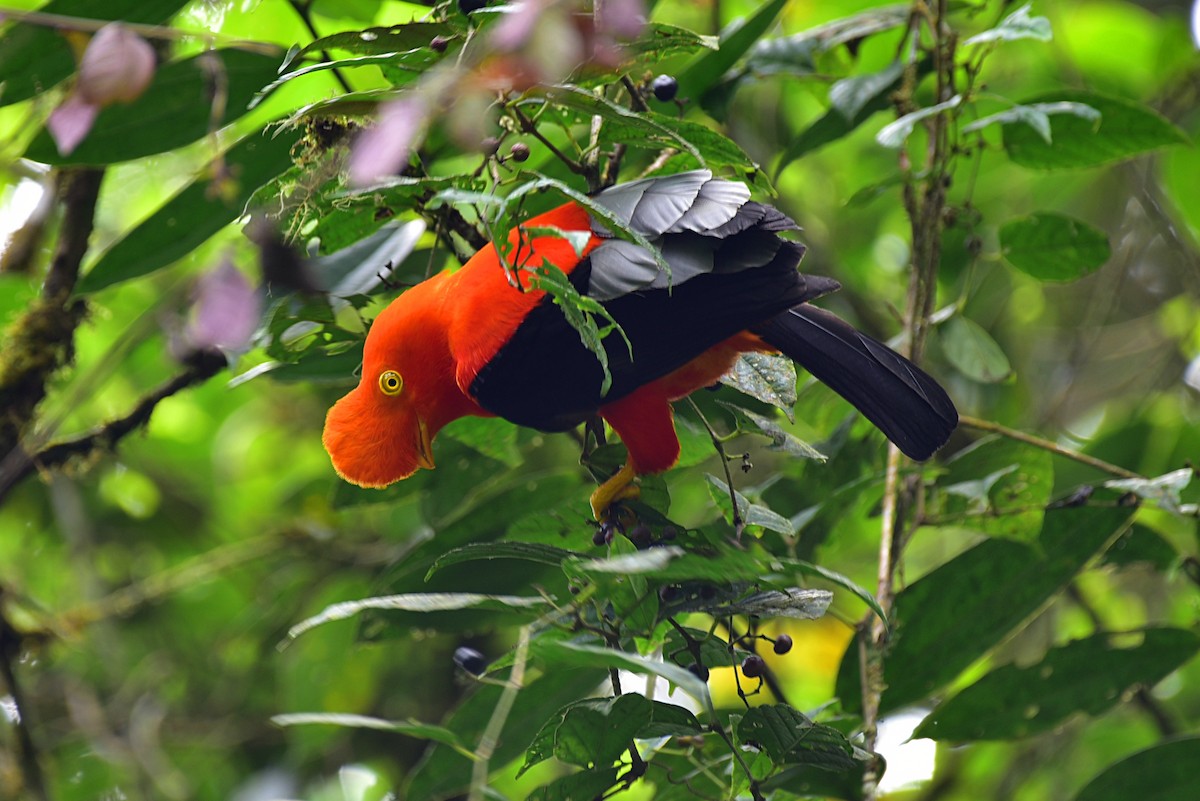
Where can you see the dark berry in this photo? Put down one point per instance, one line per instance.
(708, 592)
(698, 670)
(664, 87)
(467, 6)
(489, 146)
(438, 44)
(753, 666)
(470, 660)
(603, 535)
(520, 152)
(670, 533)
(783, 644)
(668, 593)
(640, 535)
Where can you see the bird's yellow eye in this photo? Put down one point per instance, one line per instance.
(390, 382)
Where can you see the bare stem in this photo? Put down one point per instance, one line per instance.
(1046, 445)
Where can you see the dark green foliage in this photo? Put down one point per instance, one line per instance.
(184, 611)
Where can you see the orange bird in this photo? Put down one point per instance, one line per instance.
(470, 343)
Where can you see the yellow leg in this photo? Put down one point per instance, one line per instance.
(618, 488)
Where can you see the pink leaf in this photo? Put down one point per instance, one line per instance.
(70, 123)
(226, 310)
(624, 19)
(383, 150)
(117, 66)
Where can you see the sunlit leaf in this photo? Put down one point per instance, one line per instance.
(409, 728)
(894, 134)
(1017, 25)
(1164, 490)
(188, 219)
(416, 602)
(1035, 115)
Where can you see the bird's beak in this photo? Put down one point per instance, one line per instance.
(425, 447)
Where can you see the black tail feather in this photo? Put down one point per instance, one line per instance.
(908, 406)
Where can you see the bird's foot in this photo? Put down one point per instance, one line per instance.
(619, 487)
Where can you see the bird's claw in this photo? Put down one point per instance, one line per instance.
(619, 487)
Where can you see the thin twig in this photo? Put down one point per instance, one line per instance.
(64, 22)
(529, 127)
(303, 10)
(1046, 445)
(739, 525)
(491, 735)
(202, 366)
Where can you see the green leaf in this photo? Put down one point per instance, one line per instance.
(584, 784)
(528, 551)
(187, 220)
(781, 440)
(377, 41)
(1142, 544)
(170, 114)
(1164, 772)
(896, 133)
(752, 514)
(790, 738)
(1017, 25)
(950, 617)
(999, 487)
(444, 772)
(1053, 247)
(1036, 116)
(35, 57)
(402, 68)
(1126, 129)
(595, 732)
(409, 728)
(651, 560)
(795, 603)
(416, 602)
(768, 377)
(646, 124)
(710, 67)
(710, 148)
(809, 569)
(851, 96)
(570, 654)
(493, 437)
(1088, 676)
(669, 720)
(973, 351)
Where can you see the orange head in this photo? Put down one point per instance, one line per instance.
(383, 430)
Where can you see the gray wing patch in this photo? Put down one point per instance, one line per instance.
(689, 216)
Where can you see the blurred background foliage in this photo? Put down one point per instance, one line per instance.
(146, 590)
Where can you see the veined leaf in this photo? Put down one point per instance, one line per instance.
(409, 728)
(1035, 115)
(1017, 25)
(529, 551)
(709, 68)
(769, 377)
(1125, 129)
(415, 602)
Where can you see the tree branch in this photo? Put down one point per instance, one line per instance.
(202, 366)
